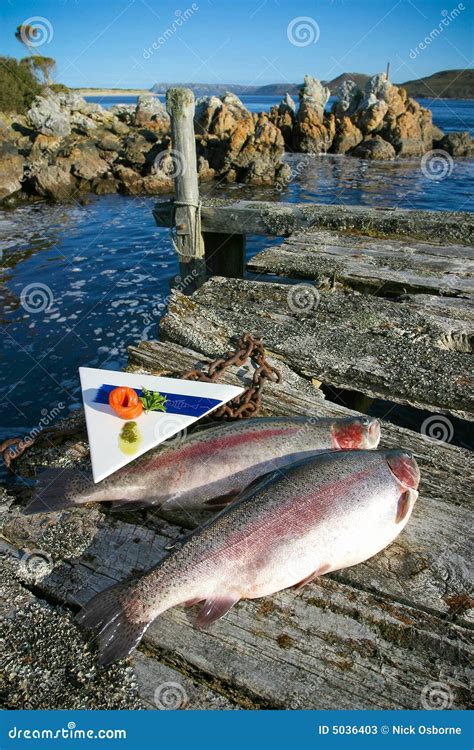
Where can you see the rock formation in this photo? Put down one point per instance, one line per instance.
(379, 122)
(65, 146)
(236, 144)
(283, 117)
(314, 130)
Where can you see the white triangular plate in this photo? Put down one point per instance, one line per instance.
(186, 402)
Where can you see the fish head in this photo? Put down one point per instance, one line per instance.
(404, 468)
(356, 433)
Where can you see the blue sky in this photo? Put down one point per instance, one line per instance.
(110, 42)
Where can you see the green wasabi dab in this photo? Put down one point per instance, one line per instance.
(130, 438)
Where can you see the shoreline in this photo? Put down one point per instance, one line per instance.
(111, 92)
(106, 92)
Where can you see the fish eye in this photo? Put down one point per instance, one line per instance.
(365, 421)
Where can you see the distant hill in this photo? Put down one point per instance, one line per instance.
(206, 89)
(359, 78)
(270, 89)
(447, 84)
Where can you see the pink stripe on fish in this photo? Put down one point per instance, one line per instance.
(204, 448)
(298, 514)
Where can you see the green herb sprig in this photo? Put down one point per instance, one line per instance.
(152, 400)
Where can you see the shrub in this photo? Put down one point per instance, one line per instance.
(18, 85)
(58, 88)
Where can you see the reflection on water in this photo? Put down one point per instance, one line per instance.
(104, 271)
(341, 179)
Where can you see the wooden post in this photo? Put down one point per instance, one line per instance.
(190, 244)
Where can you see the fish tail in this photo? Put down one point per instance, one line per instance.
(120, 626)
(57, 489)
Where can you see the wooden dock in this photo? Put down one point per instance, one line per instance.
(372, 301)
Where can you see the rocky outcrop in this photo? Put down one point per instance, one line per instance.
(53, 181)
(48, 117)
(374, 148)
(235, 144)
(283, 117)
(151, 114)
(65, 146)
(11, 169)
(456, 144)
(382, 112)
(347, 136)
(314, 131)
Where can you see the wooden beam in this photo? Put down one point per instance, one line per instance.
(189, 241)
(282, 219)
(346, 340)
(379, 266)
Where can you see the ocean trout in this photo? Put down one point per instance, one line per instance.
(207, 469)
(322, 514)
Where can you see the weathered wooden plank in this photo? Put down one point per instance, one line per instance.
(453, 308)
(166, 689)
(151, 684)
(381, 267)
(331, 646)
(441, 463)
(372, 636)
(280, 219)
(347, 340)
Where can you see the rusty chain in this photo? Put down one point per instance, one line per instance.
(13, 448)
(248, 403)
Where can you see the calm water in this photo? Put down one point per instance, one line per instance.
(104, 269)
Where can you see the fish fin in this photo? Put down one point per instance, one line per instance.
(318, 572)
(214, 608)
(405, 504)
(221, 501)
(119, 634)
(258, 484)
(54, 490)
(192, 602)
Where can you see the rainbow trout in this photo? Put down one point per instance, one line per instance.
(322, 514)
(207, 469)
